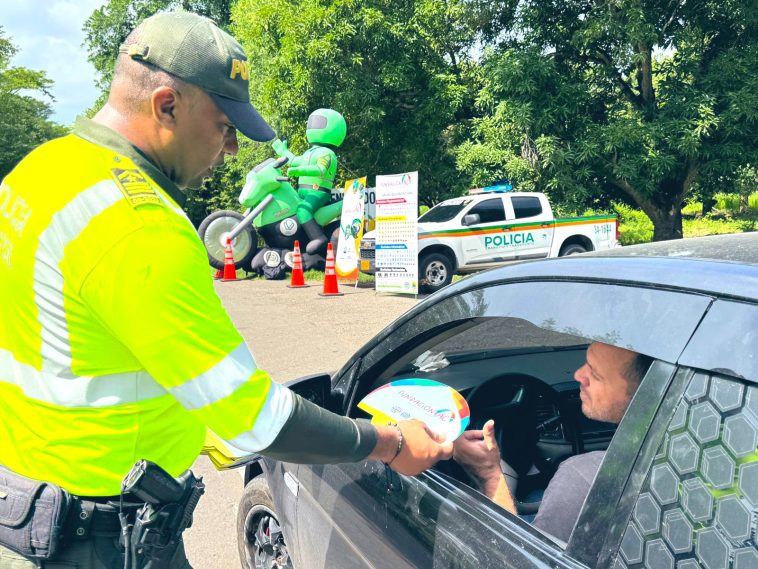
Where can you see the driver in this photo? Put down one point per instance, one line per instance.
(607, 382)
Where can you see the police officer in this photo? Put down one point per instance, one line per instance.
(113, 344)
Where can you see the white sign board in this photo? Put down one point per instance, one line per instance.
(369, 211)
(397, 233)
(351, 229)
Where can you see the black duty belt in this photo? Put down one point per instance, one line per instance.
(98, 516)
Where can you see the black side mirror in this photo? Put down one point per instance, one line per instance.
(471, 219)
(315, 388)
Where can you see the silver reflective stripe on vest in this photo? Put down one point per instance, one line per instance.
(274, 414)
(97, 391)
(65, 226)
(220, 381)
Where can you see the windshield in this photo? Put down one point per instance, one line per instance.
(443, 212)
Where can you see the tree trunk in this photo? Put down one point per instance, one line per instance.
(708, 204)
(667, 224)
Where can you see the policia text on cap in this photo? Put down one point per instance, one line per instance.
(108, 356)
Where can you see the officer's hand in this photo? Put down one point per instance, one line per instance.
(421, 449)
(477, 452)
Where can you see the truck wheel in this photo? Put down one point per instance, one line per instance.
(259, 535)
(572, 249)
(435, 271)
(212, 231)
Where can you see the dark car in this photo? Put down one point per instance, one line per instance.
(678, 487)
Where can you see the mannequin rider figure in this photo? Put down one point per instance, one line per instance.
(316, 169)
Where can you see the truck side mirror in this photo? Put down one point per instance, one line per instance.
(471, 219)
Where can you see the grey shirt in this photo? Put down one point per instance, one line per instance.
(566, 493)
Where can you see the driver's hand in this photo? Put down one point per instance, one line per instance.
(477, 452)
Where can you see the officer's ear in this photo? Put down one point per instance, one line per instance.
(164, 102)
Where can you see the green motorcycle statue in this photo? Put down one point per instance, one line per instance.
(278, 213)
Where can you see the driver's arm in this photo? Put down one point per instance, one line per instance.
(477, 452)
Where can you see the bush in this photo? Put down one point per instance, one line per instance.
(707, 226)
(634, 225)
(731, 202)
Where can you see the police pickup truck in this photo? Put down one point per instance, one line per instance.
(481, 231)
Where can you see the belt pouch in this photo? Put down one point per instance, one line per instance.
(32, 514)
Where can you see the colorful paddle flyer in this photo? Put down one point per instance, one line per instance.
(441, 407)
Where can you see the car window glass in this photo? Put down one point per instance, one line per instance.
(613, 314)
(442, 212)
(699, 497)
(726, 340)
(489, 210)
(526, 206)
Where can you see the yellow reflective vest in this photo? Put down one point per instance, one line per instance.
(113, 343)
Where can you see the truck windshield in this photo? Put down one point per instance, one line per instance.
(442, 212)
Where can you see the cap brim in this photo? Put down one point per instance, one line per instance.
(245, 118)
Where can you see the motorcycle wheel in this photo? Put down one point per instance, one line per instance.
(212, 233)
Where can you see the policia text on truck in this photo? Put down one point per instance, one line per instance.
(108, 355)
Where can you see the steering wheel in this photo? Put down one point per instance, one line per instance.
(511, 401)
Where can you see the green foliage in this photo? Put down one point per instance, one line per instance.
(634, 225)
(24, 120)
(709, 226)
(624, 100)
(400, 72)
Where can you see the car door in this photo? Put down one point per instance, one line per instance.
(530, 226)
(482, 243)
(364, 515)
(691, 496)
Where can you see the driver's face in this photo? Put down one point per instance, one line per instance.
(604, 389)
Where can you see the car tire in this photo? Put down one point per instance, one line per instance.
(435, 272)
(573, 249)
(260, 541)
(215, 226)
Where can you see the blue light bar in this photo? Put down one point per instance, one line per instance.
(499, 188)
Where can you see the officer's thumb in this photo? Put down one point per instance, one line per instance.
(435, 436)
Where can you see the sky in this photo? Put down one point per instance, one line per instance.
(49, 36)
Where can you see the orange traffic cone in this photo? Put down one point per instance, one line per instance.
(230, 272)
(298, 279)
(219, 274)
(330, 276)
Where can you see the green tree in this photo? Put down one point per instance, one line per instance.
(24, 120)
(400, 71)
(633, 99)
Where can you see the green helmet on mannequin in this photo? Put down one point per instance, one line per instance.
(327, 127)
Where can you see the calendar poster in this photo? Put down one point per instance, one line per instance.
(397, 233)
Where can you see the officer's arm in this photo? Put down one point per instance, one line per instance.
(165, 311)
(314, 435)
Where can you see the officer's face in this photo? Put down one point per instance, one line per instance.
(204, 136)
(604, 389)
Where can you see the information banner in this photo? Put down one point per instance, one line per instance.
(369, 212)
(351, 229)
(397, 233)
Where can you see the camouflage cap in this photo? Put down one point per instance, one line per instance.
(197, 51)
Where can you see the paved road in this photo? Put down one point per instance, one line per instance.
(291, 332)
